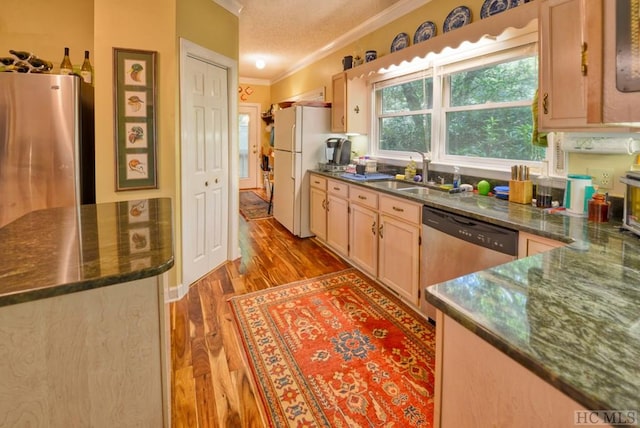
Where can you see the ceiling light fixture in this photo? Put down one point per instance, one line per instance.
(260, 64)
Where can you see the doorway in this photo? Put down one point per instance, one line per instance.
(209, 153)
(249, 145)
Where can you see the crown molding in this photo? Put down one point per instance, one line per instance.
(231, 5)
(254, 81)
(394, 12)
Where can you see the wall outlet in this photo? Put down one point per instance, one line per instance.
(602, 177)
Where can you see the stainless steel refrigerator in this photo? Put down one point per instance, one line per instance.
(47, 153)
(300, 139)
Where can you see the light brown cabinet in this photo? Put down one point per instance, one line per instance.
(478, 386)
(338, 216)
(529, 244)
(318, 206)
(349, 105)
(577, 62)
(363, 229)
(399, 246)
(562, 97)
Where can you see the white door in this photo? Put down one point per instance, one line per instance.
(249, 145)
(205, 169)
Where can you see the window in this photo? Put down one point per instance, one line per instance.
(404, 114)
(471, 108)
(488, 111)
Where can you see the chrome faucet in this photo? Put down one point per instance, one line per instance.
(425, 166)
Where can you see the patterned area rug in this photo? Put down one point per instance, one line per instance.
(338, 351)
(253, 206)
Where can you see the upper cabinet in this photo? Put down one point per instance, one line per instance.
(579, 68)
(562, 94)
(349, 105)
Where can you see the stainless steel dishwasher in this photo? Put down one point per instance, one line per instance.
(454, 245)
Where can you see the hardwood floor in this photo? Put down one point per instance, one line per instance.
(211, 384)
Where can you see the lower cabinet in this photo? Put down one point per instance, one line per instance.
(399, 247)
(318, 211)
(529, 244)
(338, 219)
(363, 229)
(478, 385)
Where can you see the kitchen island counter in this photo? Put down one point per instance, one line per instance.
(84, 321)
(58, 251)
(570, 315)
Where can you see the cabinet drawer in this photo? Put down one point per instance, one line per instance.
(363, 197)
(338, 188)
(402, 209)
(318, 182)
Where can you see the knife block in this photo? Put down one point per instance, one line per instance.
(520, 192)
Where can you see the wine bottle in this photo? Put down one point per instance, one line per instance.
(21, 54)
(86, 69)
(40, 64)
(7, 60)
(65, 65)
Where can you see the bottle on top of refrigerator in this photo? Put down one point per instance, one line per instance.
(65, 66)
(86, 71)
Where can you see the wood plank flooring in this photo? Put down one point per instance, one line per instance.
(211, 384)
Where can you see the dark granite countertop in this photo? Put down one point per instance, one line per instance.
(570, 315)
(59, 251)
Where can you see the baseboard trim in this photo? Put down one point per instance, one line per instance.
(177, 293)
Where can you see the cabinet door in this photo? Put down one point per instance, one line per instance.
(357, 106)
(398, 265)
(529, 244)
(338, 104)
(363, 238)
(318, 213)
(562, 94)
(338, 224)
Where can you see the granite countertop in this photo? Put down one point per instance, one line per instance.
(58, 251)
(570, 315)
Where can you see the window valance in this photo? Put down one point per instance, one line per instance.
(496, 26)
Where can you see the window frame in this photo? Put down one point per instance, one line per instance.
(438, 66)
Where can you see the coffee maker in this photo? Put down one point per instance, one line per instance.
(338, 151)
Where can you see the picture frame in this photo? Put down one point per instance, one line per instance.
(134, 78)
(138, 233)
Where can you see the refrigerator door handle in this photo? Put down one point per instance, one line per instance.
(293, 138)
(293, 166)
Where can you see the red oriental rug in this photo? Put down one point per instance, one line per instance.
(338, 351)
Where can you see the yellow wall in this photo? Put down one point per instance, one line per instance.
(45, 27)
(319, 73)
(209, 25)
(259, 94)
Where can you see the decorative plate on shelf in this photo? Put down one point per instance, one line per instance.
(493, 7)
(401, 41)
(425, 31)
(458, 17)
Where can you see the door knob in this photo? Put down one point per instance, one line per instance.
(216, 181)
(206, 184)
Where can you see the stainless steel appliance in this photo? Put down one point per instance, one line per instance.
(631, 214)
(300, 135)
(46, 143)
(338, 151)
(454, 245)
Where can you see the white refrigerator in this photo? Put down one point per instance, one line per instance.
(300, 138)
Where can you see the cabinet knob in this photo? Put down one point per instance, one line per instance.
(400, 210)
(373, 228)
(357, 109)
(545, 103)
(380, 231)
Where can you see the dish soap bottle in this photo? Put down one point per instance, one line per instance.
(456, 177)
(410, 170)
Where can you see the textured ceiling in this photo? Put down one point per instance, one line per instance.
(286, 32)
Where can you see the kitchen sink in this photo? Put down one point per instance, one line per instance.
(420, 191)
(393, 184)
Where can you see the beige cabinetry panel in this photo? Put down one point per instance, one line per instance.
(399, 247)
(479, 386)
(363, 229)
(349, 105)
(318, 206)
(95, 358)
(529, 244)
(562, 101)
(338, 216)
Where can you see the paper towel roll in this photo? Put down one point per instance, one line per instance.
(576, 198)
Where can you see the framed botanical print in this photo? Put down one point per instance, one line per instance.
(134, 77)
